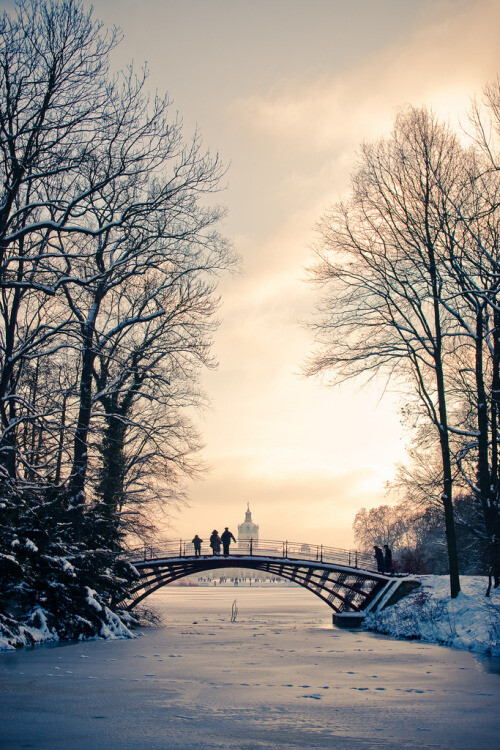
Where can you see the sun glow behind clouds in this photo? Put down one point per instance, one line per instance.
(287, 91)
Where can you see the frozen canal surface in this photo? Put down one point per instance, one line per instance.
(278, 677)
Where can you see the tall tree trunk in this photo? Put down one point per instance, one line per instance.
(493, 522)
(60, 447)
(80, 448)
(8, 387)
(113, 472)
(447, 495)
(483, 468)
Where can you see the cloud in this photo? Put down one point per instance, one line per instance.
(441, 62)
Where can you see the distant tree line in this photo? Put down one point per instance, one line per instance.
(109, 258)
(409, 266)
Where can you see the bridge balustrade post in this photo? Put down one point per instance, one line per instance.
(286, 548)
(180, 547)
(349, 558)
(251, 547)
(321, 553)
(356, 560)
(317, 552)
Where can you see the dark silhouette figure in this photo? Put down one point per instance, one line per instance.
(215, 542)
(387, 559)
(197, 545)
(379, 557)
(226, 537)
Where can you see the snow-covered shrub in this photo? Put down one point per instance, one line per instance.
(53, 585)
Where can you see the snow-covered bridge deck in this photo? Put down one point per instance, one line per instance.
(344, 579)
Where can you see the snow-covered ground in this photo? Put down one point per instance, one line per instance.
(471, 621)
(277, 678)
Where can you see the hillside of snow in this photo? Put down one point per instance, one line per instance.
(471, 621)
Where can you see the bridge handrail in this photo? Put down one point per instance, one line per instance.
(262, 547)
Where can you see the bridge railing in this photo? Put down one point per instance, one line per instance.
(261, 547)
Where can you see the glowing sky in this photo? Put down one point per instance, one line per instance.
(286, 90)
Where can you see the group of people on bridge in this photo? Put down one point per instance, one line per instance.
(215, 542)
(383, 559)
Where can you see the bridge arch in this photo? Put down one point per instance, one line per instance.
(337, 588)
(346, 588)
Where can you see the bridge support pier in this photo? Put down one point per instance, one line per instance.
(392, 592)
(348, 619)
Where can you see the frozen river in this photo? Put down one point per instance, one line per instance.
(278, 677)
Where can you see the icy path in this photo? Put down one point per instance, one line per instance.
(278, 677)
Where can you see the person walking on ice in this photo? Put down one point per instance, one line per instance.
(226, 537)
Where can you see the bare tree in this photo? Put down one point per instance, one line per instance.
(380, 261)
(100, 188)
(53, 73)
(146, 377)
(109, 256)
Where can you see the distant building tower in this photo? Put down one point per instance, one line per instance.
(247, 530)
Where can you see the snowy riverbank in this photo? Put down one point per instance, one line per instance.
(36, 630)
(471, 621)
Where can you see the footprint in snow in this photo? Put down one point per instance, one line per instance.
(315, 696)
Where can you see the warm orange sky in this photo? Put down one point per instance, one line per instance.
(286, 90)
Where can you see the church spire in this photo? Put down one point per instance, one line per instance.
(248, 530)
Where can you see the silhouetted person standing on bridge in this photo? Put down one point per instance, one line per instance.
(387, 559)
(226, 537)
(215, 542)
(197, 545)
(379, 557)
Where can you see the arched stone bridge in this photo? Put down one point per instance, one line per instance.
(345, 579)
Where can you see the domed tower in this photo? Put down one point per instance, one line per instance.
(247, 530)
